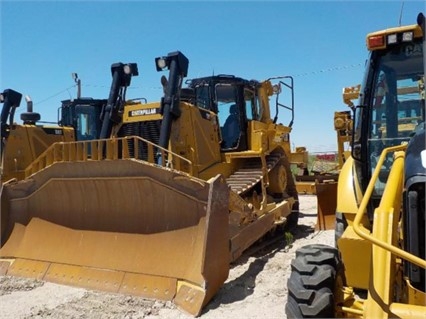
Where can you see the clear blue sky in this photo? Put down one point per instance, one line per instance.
(320, 43)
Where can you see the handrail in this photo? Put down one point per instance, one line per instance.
(391, 192)
(129, 147)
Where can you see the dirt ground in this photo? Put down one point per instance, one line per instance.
(256, 287)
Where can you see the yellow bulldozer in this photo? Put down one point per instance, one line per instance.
(377, 269)
(23, 143)
(153, 199)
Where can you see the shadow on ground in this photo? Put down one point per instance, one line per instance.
(243, 286)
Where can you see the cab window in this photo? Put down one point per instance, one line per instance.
(397, 103)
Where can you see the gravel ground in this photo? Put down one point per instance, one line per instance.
(256, 287)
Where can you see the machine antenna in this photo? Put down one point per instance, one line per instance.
(400, 14)
(78, 83)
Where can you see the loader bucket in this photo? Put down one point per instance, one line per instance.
(122, 226)
(326, 204)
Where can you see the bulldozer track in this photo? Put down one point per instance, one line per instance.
(251, 173)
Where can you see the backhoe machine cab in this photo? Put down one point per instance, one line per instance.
(164, 198)
(377, 269)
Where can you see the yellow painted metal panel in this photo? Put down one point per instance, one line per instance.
(407, 311)
(90, 278)
(326, 199)
(188, 297)
(306, 188)
(149, 286)
(357, 269)
(4, 265)
(415, 296)
(347, 189)
(28, 268)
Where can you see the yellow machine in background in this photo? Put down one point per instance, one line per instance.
(378, 268)
(23, 143)
(343, 124)
(325, 168)
(326, 188)
(155, 199)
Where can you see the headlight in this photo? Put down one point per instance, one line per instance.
(407, 37)
(161, 63)
(127, 69)
(392, 38)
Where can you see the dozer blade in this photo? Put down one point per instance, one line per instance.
(119, 225)
(326, 204)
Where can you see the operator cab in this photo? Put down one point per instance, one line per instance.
(235, 102)
(389, 114)
(83, 115)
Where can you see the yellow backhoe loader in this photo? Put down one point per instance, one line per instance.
(154, 199)
(377, 269)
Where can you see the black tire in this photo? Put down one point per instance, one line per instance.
(312, 282)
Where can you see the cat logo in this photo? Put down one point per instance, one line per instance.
(413, 49)
(143, 112)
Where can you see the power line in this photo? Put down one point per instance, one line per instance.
(133, 87)
(54, 95)
(339, 68)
